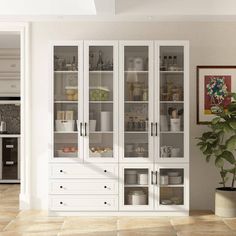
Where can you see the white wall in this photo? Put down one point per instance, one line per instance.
(210, 44)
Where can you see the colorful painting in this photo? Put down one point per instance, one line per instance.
(213, 85)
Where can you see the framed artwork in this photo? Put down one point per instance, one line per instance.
(213, 84)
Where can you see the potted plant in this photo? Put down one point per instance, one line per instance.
(219, 146)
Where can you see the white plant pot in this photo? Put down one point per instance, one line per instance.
(225, 202)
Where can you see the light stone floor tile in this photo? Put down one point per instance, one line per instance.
(4, 223)
(145, 233)
(76, 233)
(231, 223)
(8, 214)
(14, 233)
(223, 233)
(145, 223)
(90, 224)
(34, 225)
(192, 224)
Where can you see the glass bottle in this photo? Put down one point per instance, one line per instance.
(100, 61)
(170, 62)
(165, 63)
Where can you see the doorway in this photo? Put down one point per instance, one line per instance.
(15, 109)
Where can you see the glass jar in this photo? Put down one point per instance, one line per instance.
(137, 92)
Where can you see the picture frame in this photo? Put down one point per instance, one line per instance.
(213, 82)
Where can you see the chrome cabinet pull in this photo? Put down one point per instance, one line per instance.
(152, 177)
(156, 128)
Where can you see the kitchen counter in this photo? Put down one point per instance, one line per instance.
(10, 135)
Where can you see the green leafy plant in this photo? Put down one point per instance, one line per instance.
(219, 143)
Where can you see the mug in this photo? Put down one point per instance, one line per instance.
(175, 152)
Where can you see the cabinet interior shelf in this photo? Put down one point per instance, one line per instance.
(101, 132)
(98, 102)
(66, 71)
(137, 71)
(138, 102)
(171, 186)
(66, 132)
(172, 132)
(136, 185)
(66, 102)
(171, 101)
(136, 132)
(172, 72)
(101, 71)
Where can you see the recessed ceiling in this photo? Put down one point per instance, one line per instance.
(118, 10)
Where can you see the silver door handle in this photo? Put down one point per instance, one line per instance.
(81, 126)
(156, 178)
(156, 128)
(152, 172)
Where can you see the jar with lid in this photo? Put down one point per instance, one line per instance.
(137, 92)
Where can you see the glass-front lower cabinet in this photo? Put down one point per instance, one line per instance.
(147, 187)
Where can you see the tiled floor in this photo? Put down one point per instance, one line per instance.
(37, 223)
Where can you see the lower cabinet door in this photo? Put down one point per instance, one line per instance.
(136, 187)
(172, 192)
(84, 186)
(84, 203)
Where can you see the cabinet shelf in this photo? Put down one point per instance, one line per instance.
(66, 102)
(101, 71)
(172, 186)
(136, 132)
(66, 72)
(66, 132)
(171, 102)
(172, 72)
(138, 102)
(98, 102)
(101, 132)
(137, 71)
(171, 132)
(136, 185)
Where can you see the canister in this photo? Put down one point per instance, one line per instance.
(131, 177)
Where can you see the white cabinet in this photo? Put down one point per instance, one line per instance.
(9, 87)
(120, 127)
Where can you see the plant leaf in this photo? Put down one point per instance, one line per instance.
(208, 158)
(215, 120)
(203, 148)
(231, 143)
(219, 162)
(232, 124)
(228, 156)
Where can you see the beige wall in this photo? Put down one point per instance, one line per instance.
(210, 44)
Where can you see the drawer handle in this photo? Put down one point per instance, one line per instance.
(105, 171)
(61, 171)
(61, 203)
(61, 186)
(105, 186)
(105, 203)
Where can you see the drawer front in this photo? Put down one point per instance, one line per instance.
(84, 203)
(10, 86)
(87, 171)
(9, 65)
(91, 186)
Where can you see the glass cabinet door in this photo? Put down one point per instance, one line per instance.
(172, 187)
(136, 187)
(171, 107)
(136, 108)
(100, 101)
(66, 101)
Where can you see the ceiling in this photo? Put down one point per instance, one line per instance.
(118, 10)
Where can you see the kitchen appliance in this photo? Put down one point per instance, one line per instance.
(10, 158)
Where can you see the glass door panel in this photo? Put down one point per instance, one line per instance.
(136, 102)
(171, 107)
(66, 103)
(101, 102)
(136, 188)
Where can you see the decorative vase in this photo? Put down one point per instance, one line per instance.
(225, 202)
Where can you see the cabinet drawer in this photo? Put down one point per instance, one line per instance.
(9, 65)
(84, 203)
(10, 86)
(87, 171)
(84, 186)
